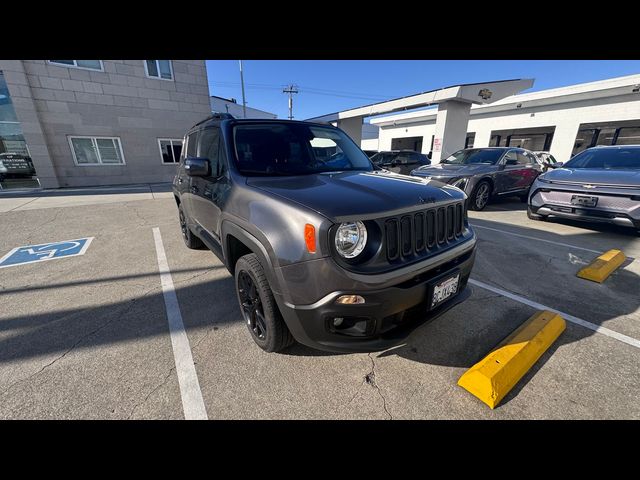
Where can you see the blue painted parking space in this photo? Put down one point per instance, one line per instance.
(45, 251)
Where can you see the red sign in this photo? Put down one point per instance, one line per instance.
(437, 144)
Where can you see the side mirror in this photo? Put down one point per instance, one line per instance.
(196, 167)
(511, 161)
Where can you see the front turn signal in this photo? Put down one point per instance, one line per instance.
(310, 237)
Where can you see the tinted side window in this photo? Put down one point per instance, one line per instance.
(192, 144)
(209, 145)
(532, 158)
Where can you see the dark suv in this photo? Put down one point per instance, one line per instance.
(400, 161)
(324, 249)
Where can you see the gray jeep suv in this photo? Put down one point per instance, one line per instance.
(324, 249)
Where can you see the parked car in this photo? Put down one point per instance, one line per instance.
(331, 253)
(400, 161)
(485, 172)
(547, 160)
(600, 184)
(370, 153)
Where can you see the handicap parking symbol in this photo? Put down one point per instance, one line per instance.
(45, 251)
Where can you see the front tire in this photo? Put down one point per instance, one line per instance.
(479, 197)
(190, 240)
(259, 309)
(535, 216)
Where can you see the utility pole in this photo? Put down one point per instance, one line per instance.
(244, 102)
(291, 89)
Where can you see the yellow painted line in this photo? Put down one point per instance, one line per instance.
(603, 266)
(496, 374)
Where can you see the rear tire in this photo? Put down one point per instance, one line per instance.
(535, 216)
(190, 240)
(258, 307)
(479, 197)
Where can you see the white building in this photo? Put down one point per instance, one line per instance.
(230, 105)
(563, 120)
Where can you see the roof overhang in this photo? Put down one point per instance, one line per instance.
(474, 93)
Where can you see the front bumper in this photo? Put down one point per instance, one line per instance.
(618, 208)
(392, 313)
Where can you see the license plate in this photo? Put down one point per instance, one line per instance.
(584, 200)
(444, 289)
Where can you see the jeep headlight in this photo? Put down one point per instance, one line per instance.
(460, 183)
(351, 238)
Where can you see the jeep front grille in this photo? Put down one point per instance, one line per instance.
(428, 230)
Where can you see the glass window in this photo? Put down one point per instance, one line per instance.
(628, 136)
(170, 149)
(605, 136)
(522, 158)
(290, 149)
(607, 158)
(11, 137)
(472, 156)
(495, 141)
(583, 140)
(159, 69)
(209, 148)
(96, 150)
(471, 138)
(192, 145)
(85, 150)
(90, 64)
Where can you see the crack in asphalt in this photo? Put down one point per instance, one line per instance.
(135, 210)
(370, 379)
(117, 316)
(151, 392)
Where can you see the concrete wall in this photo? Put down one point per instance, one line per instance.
(566, 117)
(120, 101)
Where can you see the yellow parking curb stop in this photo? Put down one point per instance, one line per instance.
(496, 374)
(603, 266)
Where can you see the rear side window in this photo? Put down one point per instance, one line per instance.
(209, 147)
(522, 158)
(192, 144)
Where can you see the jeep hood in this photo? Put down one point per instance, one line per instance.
(445, 170)
(595, 176)
(364, 195)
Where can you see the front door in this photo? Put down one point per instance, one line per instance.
(208, 193)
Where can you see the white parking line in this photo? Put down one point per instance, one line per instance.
(570, 318)
(192, 402)
(537, 239)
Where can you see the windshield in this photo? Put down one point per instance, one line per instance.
(295, 149)
(607, 159)
(468, 157)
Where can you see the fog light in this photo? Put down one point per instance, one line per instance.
(349, 299)
(338, 321)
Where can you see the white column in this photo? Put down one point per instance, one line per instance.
(352, 127)
(564, 138)
(451, 129)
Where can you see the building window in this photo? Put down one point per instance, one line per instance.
(628, 136)
(96, 150)
(159, 69)
(170, 150)
(471, 138)
(11, 138)
(88, 64)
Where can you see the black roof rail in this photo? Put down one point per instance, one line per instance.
(216, 116)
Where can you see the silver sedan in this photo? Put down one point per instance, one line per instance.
(600, 184)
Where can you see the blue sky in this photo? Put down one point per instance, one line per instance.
(328, 86)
